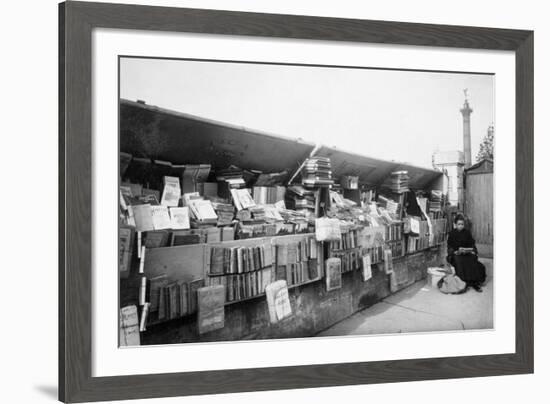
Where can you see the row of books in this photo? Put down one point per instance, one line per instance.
(171, 299)
(394, 231)
(235, 259)
(397, 248)
(416, 243)
(347, 241)
(350, 259)
(246, 231)
(297, 262)
(299, 272)
(243, 286)
(376, 254)
(298, 251)
(166, 238)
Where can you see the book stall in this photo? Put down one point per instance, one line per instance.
(230, 234)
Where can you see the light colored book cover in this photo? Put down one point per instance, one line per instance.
(236, 201)
(161, 218)
(172, 192)
(333, 268)
(129, 326)
(327, 229)
(278, 302)
(415, 226)
(245, 198)
(203, 209)
(280, 204)
(179, 218)
(272, 213)
(367, 268)
(143, 217)
(388, 262)
(189, 196)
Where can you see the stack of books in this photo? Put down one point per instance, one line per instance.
(228, 179)
(400, 182)
(225, 212)
(302, 200)
(258, 213)
(203, 213)
(392, 207)
(317, 172)
(291, 216)
(436, 197)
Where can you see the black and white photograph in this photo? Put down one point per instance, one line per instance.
(251, 193)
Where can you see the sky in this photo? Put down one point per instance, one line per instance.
(398, 115)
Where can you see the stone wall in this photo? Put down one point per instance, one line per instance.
(314, 309)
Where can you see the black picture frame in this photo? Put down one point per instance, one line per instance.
(76, 22)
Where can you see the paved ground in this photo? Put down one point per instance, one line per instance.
(422, 308)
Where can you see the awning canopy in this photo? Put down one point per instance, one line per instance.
(160, 134)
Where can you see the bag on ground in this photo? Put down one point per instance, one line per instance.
(451, 284)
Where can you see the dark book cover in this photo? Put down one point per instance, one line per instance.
(193, 287)
(292, 253)
(282, 255)
(185, 239)
(211, 308)
(157, 284)
(174, 300)
(162, 303)
(183, 298)
(156, 238)
(217, 260)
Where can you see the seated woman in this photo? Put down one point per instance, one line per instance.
(462, 255)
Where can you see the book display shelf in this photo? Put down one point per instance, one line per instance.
(205, 241)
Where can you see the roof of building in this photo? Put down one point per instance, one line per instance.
(189, 139)
(483, 166)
